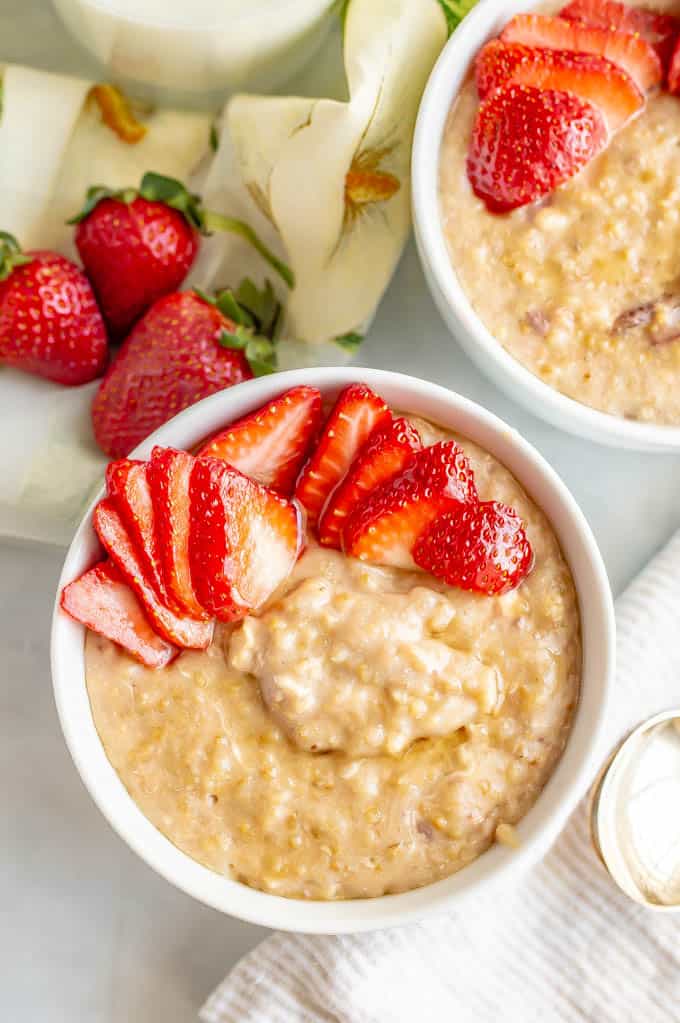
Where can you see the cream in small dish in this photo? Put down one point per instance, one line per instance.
(568, 301)
(380, 767)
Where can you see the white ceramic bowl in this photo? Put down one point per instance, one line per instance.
(486, 20)
(574, 771)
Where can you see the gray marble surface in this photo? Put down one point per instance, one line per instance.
(88, 933)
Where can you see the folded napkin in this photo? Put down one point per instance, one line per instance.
(562, 946)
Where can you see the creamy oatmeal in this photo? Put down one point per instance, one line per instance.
(371, 731)
(584, 288)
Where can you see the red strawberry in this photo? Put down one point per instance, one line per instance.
(127, 483)
(171, 359)
(527, 141)
(182, 632)
(356, 413)
(49, 321)
(169, 473)
(674, 71)
(270, 445)
(479, 547)
(134, 253)
(139, 244)
(660, 30)
(385, 527)
(103, 602)
(632, 53)
(386, 453)
(244, 539)
(592, 78)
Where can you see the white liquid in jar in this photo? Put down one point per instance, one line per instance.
(199, 47)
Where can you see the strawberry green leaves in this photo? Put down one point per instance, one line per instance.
(256, 314)
(455, 11)
(10, 255)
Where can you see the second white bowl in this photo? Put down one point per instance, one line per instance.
(573, 773)
(486, 20)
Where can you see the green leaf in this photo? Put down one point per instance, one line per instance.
(256, 313)
(214, 137)
(159, 188)
(455, 11)
(259, 351)
(228, 304)
(259, 368)
(238, 338)
(11, 255)
(261, 355)
(96, 193)
(262, 304)
(350, 342)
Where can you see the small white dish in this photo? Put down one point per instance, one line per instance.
(571, 777)
(485, 21)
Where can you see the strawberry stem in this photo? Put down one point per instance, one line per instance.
(218, 222)
(11, 255)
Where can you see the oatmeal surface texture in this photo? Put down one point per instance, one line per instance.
(367, 733)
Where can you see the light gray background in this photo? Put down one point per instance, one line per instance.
(88, 932)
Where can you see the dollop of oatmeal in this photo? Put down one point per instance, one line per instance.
(362, 672)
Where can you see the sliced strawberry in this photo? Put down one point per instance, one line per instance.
(527, 141)
(244, 539)
(479, 547)
(182, 632)
(270, 445)
(127, 483)
(169, 472)
(590, 77)
(387, 452)
(385, 527)
(103, 602)
(353, 418)
(660, 30)
(630, 52)
(674, 71)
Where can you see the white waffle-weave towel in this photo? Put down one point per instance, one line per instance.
(564, 946)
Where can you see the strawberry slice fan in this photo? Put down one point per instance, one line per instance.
(555, 89)
(194, 539)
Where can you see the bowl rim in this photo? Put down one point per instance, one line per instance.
(569, 780)
(444, 83)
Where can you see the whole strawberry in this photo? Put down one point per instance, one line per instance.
(50, 324)
(135, 250)
(185, 348)
(139, 244)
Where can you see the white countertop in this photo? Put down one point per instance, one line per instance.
(88, 932)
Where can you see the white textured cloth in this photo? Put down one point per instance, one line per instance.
(562, 946)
